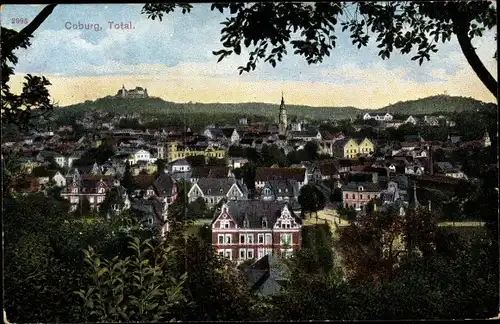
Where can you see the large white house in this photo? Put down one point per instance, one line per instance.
(386, 117)
(141, 155)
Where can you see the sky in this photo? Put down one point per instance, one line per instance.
(173, 59)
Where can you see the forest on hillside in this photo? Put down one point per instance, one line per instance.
(158, 107)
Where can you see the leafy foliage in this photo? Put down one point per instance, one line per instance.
(34, 100)
(143, 287)
(311, 199)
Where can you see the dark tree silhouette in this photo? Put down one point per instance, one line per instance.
(311, 199)
(312, 28)
(34, 100)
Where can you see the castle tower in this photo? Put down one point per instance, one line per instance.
(282, 118)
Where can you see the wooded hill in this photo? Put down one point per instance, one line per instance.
(157, 107)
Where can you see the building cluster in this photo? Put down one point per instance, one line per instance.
(246, 225)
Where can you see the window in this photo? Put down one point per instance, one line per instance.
(250, 254)
(228, 254)
(221, 252)
(269, 239)
(100, 199)
(264, 224)
(228, 238)
(220, 190)
(285, 224)
(286, 239)
(346, 196)
(368, 196)
(150, 220)
(242, 254)
(221, 238)
(242, 238)
(74, 190)
(352, 196)
(261, 252)
(260, 238)
(91, 200)
(250, 238)
(224, 224)
(360, 196)
(209, 191)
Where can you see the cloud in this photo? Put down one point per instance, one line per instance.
(174, 60)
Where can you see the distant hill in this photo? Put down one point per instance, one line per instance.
(158, 107)
(436, 104)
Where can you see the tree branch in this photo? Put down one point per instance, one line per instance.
(474, 60)
(28, 31)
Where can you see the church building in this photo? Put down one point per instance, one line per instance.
(282, 118)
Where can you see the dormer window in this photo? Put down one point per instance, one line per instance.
(264, 223)
(246, 223)
(221, 190)
(209, 191)
(360, 188)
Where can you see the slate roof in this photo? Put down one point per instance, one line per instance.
(218, 172)
(267, 174)
(152, 206)
(215, 186)
(444, 166)
(367, 186)
(266, 276)
(162, 183)
(180, 162)
(328, 168)
(305, 133)
(257, 210)
(289, 187)
(340, 143)
(186, 176)
(227, 131)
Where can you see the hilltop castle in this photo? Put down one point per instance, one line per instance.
(138, 92)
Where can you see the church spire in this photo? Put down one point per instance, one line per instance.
(282, 117)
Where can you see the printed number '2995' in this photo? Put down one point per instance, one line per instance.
(19, 20)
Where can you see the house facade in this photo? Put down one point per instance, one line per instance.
(247, 230)
(176, 151)
(94, 189)
(350, 147)
(214, 190)
(358, 194)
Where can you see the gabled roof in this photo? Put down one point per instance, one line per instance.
(228, 131)
(163, 184)
(266, 275)
(215, 186)
(257, 210)
(283, 187)
(218, 172)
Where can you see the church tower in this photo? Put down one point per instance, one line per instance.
(486, 139)
(282, 119)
